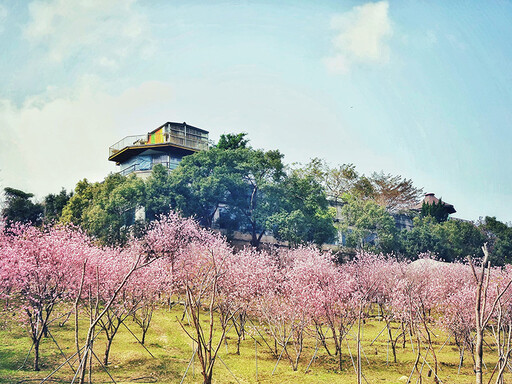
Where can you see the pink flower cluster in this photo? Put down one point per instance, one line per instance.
(287, 290)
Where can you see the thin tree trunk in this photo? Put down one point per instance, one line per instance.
(36, 353)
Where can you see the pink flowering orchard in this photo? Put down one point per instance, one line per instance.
(39, 271)
(288, 300)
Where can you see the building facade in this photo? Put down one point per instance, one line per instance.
(166, 145)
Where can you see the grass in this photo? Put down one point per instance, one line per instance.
(172, 350)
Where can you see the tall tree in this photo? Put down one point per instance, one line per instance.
(54, 204)
(367, 225)
(393, 192)
(158, 193)
(238, 180)
(435, 210)
(233, 141)
(107, 209)
(499, 238)
(304, 215)
(20, 208)
(78, 203)
(336, 181)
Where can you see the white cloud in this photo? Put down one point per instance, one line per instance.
(362, 36)
(110, 29)
(49, 144)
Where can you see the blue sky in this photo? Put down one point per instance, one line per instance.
(416, 88)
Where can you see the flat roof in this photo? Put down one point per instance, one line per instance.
(180, 124)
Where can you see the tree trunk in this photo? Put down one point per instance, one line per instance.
(144, 331)
(36, 358)
(107, 350)
(478, 356)
(392, 342)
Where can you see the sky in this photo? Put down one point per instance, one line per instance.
(421, 89)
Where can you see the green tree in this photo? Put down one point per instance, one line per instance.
(499, 237)
(303, 214)
(239, 180)
(106, 210)
(199, 184)
(78, 203)
(158, 192)
(20, 208)
(425, 236)
(434, 210)
(54, 204)
(367, 225)
(233, 141)
(451, 240)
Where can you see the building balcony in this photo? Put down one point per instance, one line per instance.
(181, 136)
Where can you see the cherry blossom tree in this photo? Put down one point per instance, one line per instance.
(40, 268)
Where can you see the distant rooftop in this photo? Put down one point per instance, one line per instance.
(430, 199)
(178, 135)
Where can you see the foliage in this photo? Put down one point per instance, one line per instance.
(367, 225)
(232, 141)
(335, 181)
(239, 180)
(392, 192)
(105, 210)
(304, 215)
(78, 203)
(284, 297)
(54, 204)
(158, 193)
(38, 269)
(451, 240)
(434, 210)
(19, 207)
(499, 238)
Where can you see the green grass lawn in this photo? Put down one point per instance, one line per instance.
(172, 350)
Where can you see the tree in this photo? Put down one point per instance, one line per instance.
(336, 181)
(304, 215)
(78, 203)
(233, 141)
(20, 208)
(113, 210)
(425, 236)
(463, 238)
(198, 261)
(499, 238)
(54, 204)
(451, 240)
(484, 314)
(367, 225)
(435, 210)
(106, 210)
(238, 180)
(158, 193)
(42, 271)
(393, 192)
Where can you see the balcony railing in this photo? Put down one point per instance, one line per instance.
(170, 165)
(136, 167)
(187, 141)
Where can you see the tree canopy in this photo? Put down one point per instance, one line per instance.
(235, 187)
(19, 207)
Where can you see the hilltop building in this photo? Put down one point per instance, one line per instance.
(430, 199)
(165, 145)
